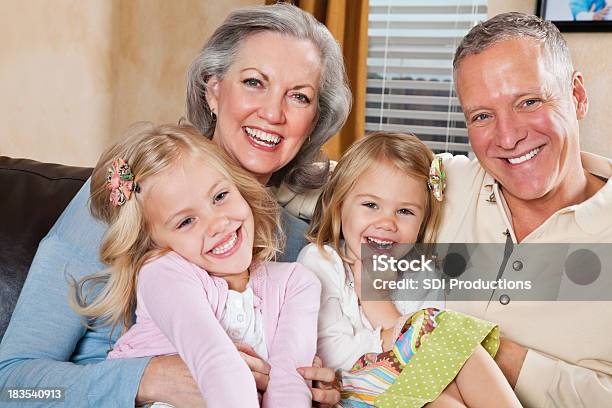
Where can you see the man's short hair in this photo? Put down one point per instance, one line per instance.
(513, 25)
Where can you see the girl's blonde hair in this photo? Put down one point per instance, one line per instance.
(404, 151)
(150, 150)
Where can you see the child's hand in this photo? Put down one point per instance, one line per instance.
(259, 368)
(323, 391)
(381, 313)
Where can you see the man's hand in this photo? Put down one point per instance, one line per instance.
(167, 379)
(259, 367)
(510, 358)
(323, 391)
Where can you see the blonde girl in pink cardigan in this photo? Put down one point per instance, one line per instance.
(189, 244)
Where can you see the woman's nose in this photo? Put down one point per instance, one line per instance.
(272, 109)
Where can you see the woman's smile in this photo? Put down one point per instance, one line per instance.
(261, 139)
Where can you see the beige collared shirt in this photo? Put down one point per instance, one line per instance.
(569, 362)
(300, 205)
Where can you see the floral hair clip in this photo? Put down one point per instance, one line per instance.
(437, 178)
(120, 182)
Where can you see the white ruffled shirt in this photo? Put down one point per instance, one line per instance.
(242, 322)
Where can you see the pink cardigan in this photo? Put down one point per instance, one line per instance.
(178, 308)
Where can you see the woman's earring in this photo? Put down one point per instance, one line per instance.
(213, 115)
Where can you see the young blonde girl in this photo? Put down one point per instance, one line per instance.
(189, 243)
(384, 191)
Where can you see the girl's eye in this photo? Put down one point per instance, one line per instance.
(185, 222)
(252, 82)
(221, 196)
(301, 98)
(370, 205)
(405, 211)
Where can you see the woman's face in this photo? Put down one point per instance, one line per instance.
(266, 103)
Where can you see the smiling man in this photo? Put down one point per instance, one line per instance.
(522, 101)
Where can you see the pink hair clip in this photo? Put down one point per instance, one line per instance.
(437, 178)
(120, 182)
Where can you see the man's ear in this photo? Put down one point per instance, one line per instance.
(579, 94)
(212, 93)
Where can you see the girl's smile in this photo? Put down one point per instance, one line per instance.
(228, 245)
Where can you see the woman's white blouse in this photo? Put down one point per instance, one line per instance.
(242, 322)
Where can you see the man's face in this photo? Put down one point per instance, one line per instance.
(522, 119)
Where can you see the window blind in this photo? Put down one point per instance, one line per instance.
(410, 87)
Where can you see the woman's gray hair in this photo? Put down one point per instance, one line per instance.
(512, 25)
(334, 97)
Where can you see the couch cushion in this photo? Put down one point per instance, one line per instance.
(34, 194)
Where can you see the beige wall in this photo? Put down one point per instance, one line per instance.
(74, 74)
(592, 55)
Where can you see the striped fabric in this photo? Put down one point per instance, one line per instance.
(393, 378)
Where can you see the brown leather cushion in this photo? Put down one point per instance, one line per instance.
(34, 194)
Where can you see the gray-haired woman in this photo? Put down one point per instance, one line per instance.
(270, 88)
